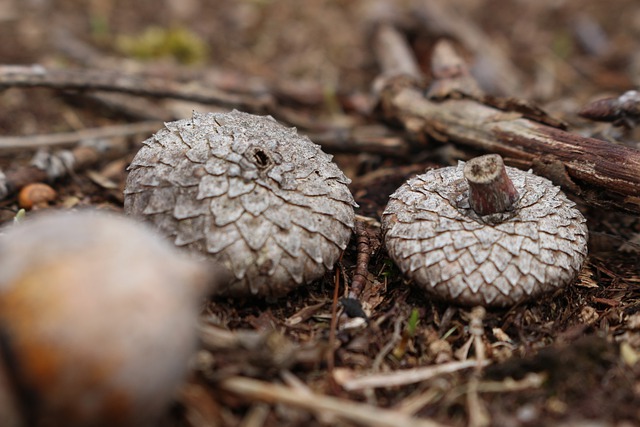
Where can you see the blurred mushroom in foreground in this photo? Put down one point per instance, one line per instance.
(485, 234)
(97, 321)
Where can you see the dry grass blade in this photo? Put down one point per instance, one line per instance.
(352, 411)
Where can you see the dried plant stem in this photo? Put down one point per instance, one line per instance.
(65, 139)
(334, 321)
(407, 376)
(109, 81)
(373, 139)
(360, 413)
(444, 18)
(363, 245)
(624, 110)
(390, 345)
(509, 385)
(397, 58)
(478, 414)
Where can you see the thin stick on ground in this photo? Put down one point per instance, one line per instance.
(67, 139)
(357, 412)
(478, 414)
(109, 81)
(334, 321)
(407, 376)
(389, 346)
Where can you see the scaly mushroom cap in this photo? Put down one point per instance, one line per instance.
(262, 200)
(443, 245)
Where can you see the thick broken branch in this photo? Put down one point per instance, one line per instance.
(604, 174)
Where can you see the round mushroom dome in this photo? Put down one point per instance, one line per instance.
(263, 201)
(477, 237)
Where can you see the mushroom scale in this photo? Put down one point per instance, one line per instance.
(263, 201)
(497, 260)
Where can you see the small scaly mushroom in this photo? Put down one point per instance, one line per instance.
(484, 234)
(97, 321)
(255, 196)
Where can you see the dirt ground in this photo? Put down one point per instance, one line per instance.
(569, 359)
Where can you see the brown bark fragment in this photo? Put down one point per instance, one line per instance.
(609, 172)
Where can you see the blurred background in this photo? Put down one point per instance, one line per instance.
(558, 53)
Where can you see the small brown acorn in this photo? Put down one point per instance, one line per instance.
(97, 321)
(485, 234)
(253, 195)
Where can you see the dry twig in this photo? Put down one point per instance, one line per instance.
(602, 173)
(363, 245)
(67, 139)
(406, 376)
(390, 345)
(622, 111)
(346, 409)
(334, 322)
(373, 139)
(98, 80)
(440, 18)
(478, 414)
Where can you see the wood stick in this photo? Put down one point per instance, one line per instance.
(602, 173)
(109, 81)
(605, 173)
(359, 279)
(407, 376)
(67, 139)
(440, 18)
(357, 412)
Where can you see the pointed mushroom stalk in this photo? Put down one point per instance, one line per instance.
(484, 234)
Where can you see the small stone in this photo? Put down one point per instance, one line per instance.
(249, 193)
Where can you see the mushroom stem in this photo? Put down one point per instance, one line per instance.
(490, 189)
